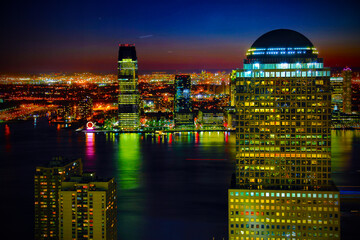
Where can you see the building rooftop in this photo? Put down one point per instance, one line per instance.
(282, 45)
(284, 38)
(87, 177)
(59, 162)
(127, 51)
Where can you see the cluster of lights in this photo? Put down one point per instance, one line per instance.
(287, 194)
(281, 51)
(313, 65)
(266, 74)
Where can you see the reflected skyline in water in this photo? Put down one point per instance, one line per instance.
(170, 187)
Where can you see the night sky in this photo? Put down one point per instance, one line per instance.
(68, 36)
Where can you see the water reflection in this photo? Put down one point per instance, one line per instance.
(7, 138)
(131, 203)
(345, 147)
(341, 149)
(90, 150)
(128, 161)
(7, 130)
(160, 190)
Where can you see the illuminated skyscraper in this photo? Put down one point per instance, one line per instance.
(183, 114)
(47, 183)
(282, 187)
(336, 84)
(347, 73)
(88, 208)
(85, 108)
(128, 87)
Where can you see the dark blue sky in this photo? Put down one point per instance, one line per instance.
(175, 35)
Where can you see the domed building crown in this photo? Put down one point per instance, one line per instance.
(282, 38)
(281, 43)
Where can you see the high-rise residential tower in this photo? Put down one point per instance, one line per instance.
(128, 87)
(183, 114)
(85, 108)
(47, 183)
(347, 73)
(88, 208)
(336, 84)
(282, 187)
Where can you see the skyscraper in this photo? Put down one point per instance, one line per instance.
(47, 183)
(128, 87)
(183, 114)
(85, 108)
(347, 73)
(282, 187)
(88, 208)
(336, 84)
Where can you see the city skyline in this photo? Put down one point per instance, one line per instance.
(235, 120)
(53, 37)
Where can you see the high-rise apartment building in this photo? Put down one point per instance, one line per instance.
(183, 114)
(347, 74)
(85, 108)
(282, 188)
(128, 87)
(47, 181)
(88, 208)
(336, 84)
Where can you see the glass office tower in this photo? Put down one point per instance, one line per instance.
(183, 114)
(282, 187)
(347, 74)
(128, 87)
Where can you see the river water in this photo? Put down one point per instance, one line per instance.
(173, 187)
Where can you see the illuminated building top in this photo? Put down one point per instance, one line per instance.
(283, 108)
(280, 44)
(128, 99)
(127, 51)
(283, 144)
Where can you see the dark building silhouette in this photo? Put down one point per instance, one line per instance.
(85, 108)
(347, 92)
(183, 113)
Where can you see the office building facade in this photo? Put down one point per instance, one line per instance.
(85, 108)
(336, 93)
(88, 208)
(129, 97)
(47, 184)
(183, 112)
(347, 106)
(282, 188)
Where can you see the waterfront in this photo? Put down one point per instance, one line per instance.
(173, 187)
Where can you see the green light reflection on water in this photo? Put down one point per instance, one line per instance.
(341, 149)
(129, 161)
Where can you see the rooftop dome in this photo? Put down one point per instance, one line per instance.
(281, 45)
(282, 38)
